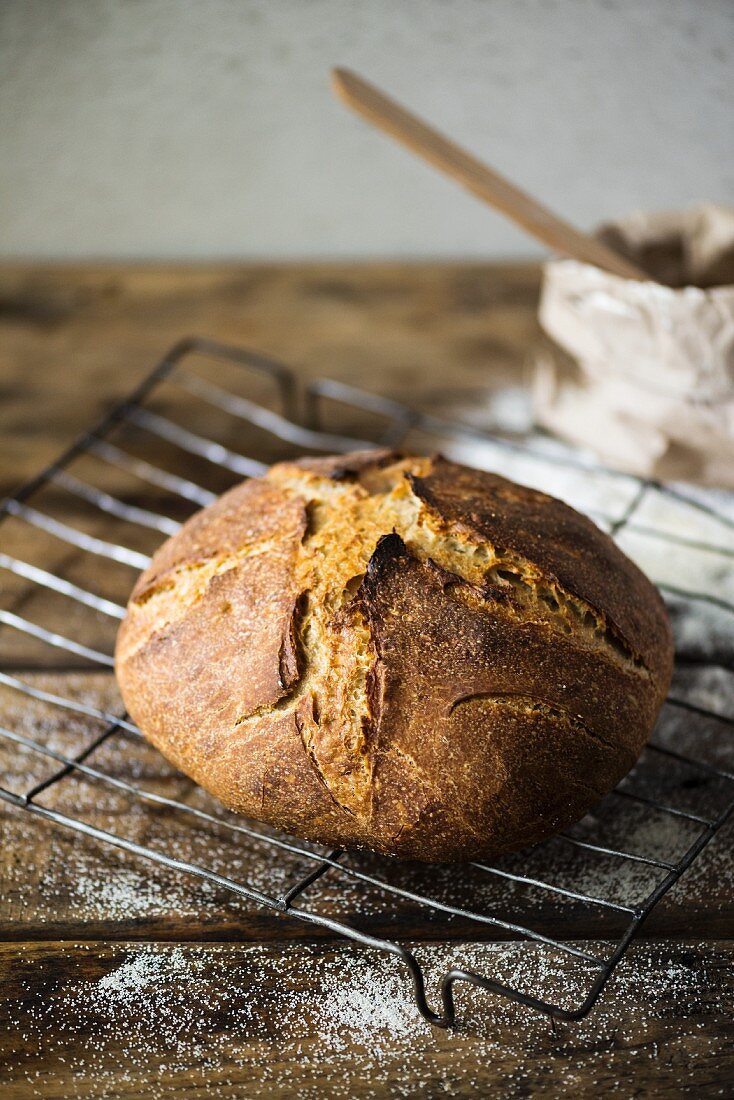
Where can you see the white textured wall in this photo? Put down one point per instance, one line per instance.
(198, 128)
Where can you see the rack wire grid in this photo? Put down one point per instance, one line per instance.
(654, 824)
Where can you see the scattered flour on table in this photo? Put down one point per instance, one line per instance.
(310, 1022)
(158, 1012)
(142, 973)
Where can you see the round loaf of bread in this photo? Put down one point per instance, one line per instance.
(398, 654)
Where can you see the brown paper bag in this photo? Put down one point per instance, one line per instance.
(642, 372)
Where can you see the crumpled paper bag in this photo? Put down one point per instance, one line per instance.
(641, 372)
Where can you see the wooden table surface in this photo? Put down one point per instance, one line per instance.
(121, 978)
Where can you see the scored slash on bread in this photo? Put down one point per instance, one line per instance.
(396, 653)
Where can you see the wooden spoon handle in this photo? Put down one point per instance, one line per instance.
(477, 177)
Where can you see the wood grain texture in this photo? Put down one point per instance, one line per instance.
(224, 1021)
(73, 340)
(58, 885)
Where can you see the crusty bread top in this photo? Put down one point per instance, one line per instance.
(398, 653)
(556, 548)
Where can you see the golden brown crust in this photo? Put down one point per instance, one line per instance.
(398, 654)
(449, 672)
(565, 546)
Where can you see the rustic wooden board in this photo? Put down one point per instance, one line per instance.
(94, 1014)
(58, 884)
(72, 339)
(126, 1020)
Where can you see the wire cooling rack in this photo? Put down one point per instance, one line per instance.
(223, 413)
